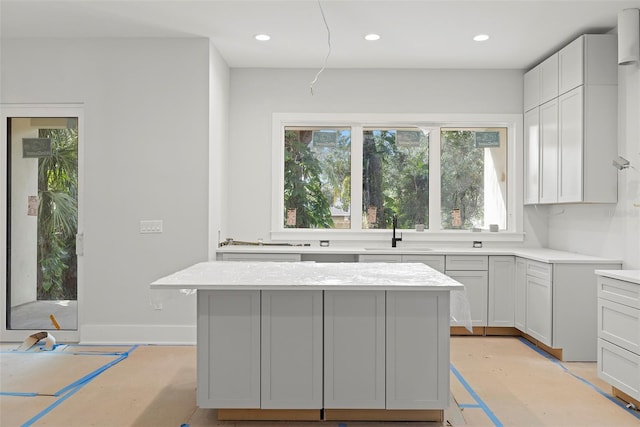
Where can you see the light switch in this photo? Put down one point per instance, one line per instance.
(151, 226)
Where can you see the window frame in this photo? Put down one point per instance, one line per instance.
(515, 208)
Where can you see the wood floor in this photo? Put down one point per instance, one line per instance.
(495, 381)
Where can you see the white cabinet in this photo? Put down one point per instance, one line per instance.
(259, 257)
(434, 261)
(578, 127)
(520, 296)
(501, 308)
(531, 150)
(619, 334)
(472, 272)
(541, 83)
(354, 349)
(555, 303)
(548, 156)
(539, 306)
(417, 350)
(229, 349)
(291, 348)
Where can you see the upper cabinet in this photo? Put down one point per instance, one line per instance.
(570, 104)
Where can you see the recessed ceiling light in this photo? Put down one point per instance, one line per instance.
(481, 37)
(263, 37)
(372, 37)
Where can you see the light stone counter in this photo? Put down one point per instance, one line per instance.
(307, 275)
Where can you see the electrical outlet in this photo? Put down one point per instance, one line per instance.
(151, 226)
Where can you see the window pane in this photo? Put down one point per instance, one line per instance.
(395, 177)
(473, 178)
(317, 177)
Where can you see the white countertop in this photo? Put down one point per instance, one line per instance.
(537, 254)
(307, 275)
(632, 276)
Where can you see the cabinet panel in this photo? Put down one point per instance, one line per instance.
(434, 261)
(619, 367)
(539, 309)
(354, 350)
(521, 294)
(476, 286)
(532, 88)
(467, 262)
(501, 291)
(619, 325)
(570, 65)
(538, 269)
(619, 291)
(261, 257)
(291, 369)
(570, 137)
(417, 363)
(549, 152)
(532, 152)
(549, 79)
(380, 258)
(228, 352)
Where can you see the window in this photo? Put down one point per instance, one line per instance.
(354, 173)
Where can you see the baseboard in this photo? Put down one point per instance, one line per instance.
(138, 334)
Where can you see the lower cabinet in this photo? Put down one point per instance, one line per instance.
(291, 348)
(520, 297)
(473, 272)
(538, 302)
(501, 307)
(323, 349)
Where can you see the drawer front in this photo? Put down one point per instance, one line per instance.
(540, 270)
(619, 367)
(380, 258)
(619, 324)
(434, 261)
(262, 257)
(619, 291)
(467, 262)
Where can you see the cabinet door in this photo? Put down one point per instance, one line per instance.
(521, 295)
(476, 286)
(354, 349)
(291, 369)
(434, 261)
(570, 139)
(549, 79)
(571, 65)
(417, 353)
(501, 291)
(532, 88)
(531, 156)
(539, 309)
(549, 152)
(228, 351)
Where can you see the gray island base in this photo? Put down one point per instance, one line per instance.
(310, 341)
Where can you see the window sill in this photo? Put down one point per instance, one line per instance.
(408, 236)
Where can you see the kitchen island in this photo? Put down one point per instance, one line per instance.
(333, 341)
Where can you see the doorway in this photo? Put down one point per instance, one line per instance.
(42, 221)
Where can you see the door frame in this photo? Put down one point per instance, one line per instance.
(40, 110)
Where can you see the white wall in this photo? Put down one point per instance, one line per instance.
(146, 157)
(258, 93)
(611, 231)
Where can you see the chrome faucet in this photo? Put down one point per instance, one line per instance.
(394, 239)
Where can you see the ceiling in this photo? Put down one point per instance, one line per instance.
(414, 33)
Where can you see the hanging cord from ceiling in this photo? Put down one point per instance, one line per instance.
(324, 65)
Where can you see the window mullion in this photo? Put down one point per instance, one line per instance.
(356, 177)
(434, 180)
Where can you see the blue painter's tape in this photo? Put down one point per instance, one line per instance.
(342, 425)
(70, 391)
(469, 405)
(496, 422)
(9, 393)
(593, 386)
